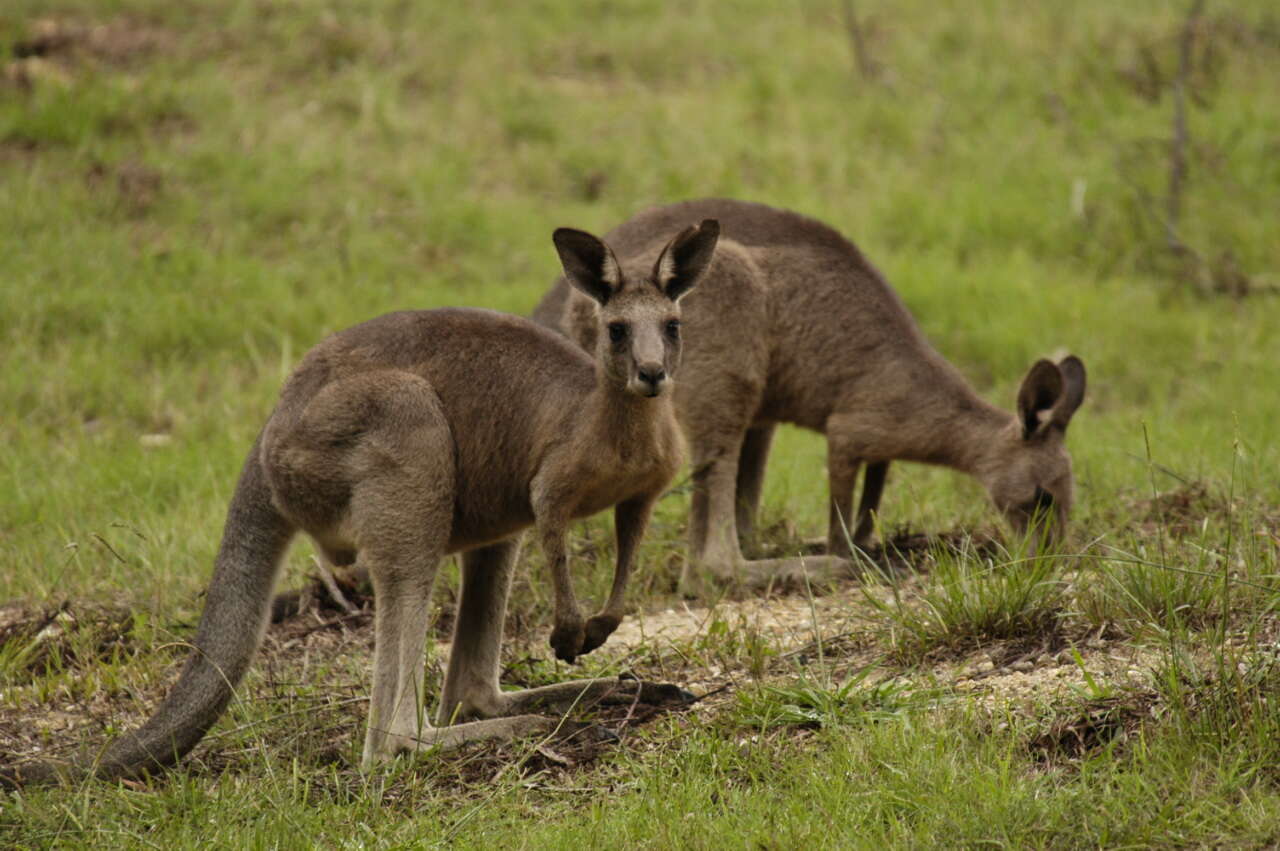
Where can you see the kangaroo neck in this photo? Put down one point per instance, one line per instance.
(624, 419)
(948, 423)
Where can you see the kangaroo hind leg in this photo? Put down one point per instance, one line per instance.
(401, 473)
(471, 689)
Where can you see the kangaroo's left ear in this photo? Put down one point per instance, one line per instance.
(685, 259)
(1073, 381)
(1050, 394)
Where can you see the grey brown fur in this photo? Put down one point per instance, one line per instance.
(792, 324)
(420, 434)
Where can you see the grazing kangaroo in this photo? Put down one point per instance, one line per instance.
(424, 433)
(792, 324)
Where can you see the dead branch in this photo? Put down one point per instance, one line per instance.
(867, 67)
(1178, 144)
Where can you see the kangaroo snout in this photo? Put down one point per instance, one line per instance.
(650, 380)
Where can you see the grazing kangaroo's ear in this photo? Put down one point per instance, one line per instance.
(1073, 381)
(588, 263)
(685, 259)
(1040, 392)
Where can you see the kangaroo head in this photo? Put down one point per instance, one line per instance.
(1029, 473)
(637, 317)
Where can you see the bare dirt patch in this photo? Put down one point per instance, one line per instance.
(68, 41)
(1091, 726)
(38, 640)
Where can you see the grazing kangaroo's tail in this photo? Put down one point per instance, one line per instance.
(235, 615)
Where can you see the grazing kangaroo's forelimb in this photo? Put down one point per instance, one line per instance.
(869, 505)
(751, 466)
(842, 526)
(630, 518)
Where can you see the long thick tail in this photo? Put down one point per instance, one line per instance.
(235, 615)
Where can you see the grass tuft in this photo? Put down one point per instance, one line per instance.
(967, 601)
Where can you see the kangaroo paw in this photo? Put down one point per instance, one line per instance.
(599, 628)
(567, 640)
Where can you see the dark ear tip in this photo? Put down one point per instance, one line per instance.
(1072, 362)
(562, 236)
(1043, 365)
(711, 227)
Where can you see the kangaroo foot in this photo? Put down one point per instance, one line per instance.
(454, 736)
(795, 574)
(562, 697)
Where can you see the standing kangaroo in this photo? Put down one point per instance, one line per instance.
(792, 324)
(424, 433)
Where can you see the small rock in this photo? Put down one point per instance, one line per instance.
(1023, 666)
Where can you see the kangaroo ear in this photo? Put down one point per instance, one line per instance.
(1050, 394)
(1073, 380)
(686, 258)
(1040, 391)
(588, 263)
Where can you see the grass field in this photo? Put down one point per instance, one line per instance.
(193, 194)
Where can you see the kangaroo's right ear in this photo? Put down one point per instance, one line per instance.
(685, 259)
(588, 263)
(1050, 394)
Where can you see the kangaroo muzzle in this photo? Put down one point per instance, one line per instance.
(650, 380)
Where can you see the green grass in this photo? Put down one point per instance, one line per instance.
(196, 194)
(969, 601)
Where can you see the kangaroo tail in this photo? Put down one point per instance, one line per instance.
(235, 615)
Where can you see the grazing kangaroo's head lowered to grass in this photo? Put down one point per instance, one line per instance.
(1027, 470)
(424, 433)
(792, 324)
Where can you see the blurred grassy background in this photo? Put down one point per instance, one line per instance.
(193, 194)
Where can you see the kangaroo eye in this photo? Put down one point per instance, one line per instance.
(1041, 502)
(673, 329)
(617, 331)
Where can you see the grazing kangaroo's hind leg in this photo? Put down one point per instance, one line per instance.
(751, 466)
(471, 688)
(713, 533)
(713, 538)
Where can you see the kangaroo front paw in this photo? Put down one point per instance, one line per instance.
(567, 640)
(599, 628)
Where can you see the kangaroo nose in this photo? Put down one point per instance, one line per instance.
(651, 374)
